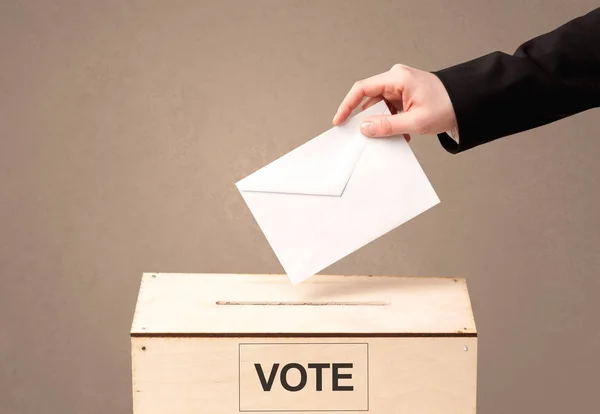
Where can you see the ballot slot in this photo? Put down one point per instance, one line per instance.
(300, 303)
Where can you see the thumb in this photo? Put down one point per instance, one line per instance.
(388, 125)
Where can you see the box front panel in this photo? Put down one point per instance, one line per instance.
(266, 375)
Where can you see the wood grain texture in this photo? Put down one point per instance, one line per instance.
(220, 304)
(405, 375)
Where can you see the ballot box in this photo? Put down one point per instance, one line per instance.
(234, 343)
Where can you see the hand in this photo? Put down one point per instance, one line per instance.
(417, 100)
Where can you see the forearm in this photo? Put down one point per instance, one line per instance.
(548, 78)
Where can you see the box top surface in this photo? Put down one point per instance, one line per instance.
(172, 304)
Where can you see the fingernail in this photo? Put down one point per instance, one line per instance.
(367, 128)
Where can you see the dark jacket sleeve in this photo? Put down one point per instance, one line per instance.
(548, 78)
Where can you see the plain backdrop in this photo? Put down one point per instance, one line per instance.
(124, 125)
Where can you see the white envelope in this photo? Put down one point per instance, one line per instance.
(335, 194)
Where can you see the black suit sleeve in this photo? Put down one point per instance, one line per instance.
(548, 78)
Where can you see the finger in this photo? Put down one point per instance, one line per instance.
(388, 125)
(407, 137)
(369, 102)
(370, 87)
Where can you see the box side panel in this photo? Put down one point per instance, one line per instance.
(267, 304)
(229, 375)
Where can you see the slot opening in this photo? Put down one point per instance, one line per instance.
(302, 303)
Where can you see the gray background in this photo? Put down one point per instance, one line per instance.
(124, 125)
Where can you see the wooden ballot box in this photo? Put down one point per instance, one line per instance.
(231, 343)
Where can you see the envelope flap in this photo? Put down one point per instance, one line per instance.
(321, 166)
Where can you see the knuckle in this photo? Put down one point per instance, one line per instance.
(385, 127)
(398, 66)
(407, 73)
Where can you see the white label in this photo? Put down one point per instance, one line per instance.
(303, 377)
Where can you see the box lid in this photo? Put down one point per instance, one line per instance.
(175, 304)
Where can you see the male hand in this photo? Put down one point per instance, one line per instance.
(417, 100)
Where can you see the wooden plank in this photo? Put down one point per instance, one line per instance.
(223, 304)
(218, 376)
